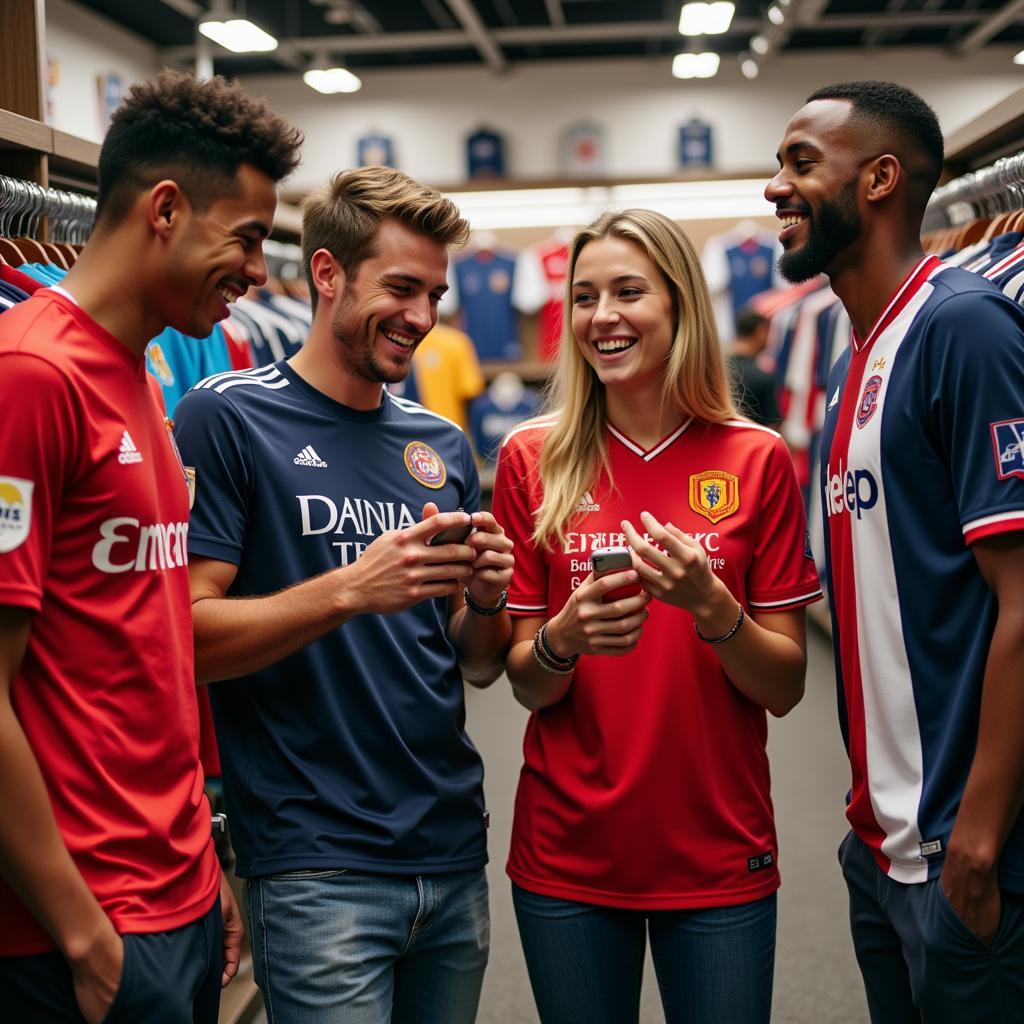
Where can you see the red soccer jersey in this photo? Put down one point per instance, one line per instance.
(647, 785)
(93, 532)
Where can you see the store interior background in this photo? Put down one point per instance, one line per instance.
(429, 111)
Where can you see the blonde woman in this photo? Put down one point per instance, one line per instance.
(643, 804)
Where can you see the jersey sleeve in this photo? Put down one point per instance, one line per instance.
(469, 377)
(39, 456)
(513, 505)
(782, 573)
(471, 497)
(977, 408)
(214, 442)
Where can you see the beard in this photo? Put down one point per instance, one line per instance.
(835, 227)
(358, 341)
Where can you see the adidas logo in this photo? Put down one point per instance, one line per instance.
(129, 453)
(835, 399)
(587, 503)
(308, 457)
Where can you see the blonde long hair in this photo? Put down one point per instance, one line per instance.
(695, 383)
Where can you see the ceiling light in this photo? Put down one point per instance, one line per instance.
(698, 19)
(1019, 58)
(749, 68)
(695, 65)
(776, 15)
(332, 80)
(238, 35)
(759, 44)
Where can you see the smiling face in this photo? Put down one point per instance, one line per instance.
(382, 314)
(815, 192)
(622, 315)
(218, 254)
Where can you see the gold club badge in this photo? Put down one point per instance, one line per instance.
(714, 494)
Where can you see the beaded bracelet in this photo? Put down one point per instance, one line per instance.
(556, 659)
(546, 663)
(481, 609)
(725, 636)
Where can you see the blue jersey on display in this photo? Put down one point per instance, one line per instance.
(484, 283)
(490, 421)
(485, 155)
(375, 151)
(920, 458)
(351, 752)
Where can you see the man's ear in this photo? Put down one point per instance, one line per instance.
(886, 172)
(328, 275)
(165, 206)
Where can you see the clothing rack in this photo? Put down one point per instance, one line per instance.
(23, 204)
(986, 192)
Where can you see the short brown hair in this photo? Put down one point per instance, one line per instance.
(343, 218)
(197, 133)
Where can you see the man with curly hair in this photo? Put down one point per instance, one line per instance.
(111, 896)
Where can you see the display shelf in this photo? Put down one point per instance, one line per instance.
(531, 372)
(993, 133)
(71, 154)
(17, 132)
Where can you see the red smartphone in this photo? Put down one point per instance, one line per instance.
(453, 535)
(606, 560)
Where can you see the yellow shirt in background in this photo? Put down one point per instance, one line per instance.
(448, 373)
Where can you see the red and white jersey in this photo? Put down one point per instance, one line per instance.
(93, 532)
(647, 785)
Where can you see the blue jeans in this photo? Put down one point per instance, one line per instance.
(714, 966)
(341, 947)
(919, 961)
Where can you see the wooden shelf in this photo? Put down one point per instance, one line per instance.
(533, 372)
(70, 153)
(17, 132)
(998, 130)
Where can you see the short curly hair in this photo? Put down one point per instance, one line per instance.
(197, 133)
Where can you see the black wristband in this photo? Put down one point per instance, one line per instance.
(725, 636)
(480, 609)
(542, 633)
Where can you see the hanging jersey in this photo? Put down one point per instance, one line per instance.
(604, 813)
(446, 373)
(738, 266)
(485, 155)
(93, 528)
(375, 151)
(921, 457)
(490, 421)
(365, 765)
(484, 282)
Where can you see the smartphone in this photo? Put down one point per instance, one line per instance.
(453, 535)
(617, 559)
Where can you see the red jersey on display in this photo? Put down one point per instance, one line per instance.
(93, 532)
(554, 261)
(647, 785)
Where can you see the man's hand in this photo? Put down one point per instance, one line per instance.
(492, 567)
(974, 894)
(97, 975)
(400, 569)
(232, 919)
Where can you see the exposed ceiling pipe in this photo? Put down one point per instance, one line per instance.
(468, 18)
(991, 26)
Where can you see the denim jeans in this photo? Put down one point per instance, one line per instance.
(919, 961)
(341, 947)
(714, 966)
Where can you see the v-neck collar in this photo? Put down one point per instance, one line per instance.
(906, 291)
(647, 454)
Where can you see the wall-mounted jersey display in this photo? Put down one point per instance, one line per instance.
(485, 155)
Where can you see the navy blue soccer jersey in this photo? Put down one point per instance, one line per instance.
(483, 282)
(921, 457)
(351, 752)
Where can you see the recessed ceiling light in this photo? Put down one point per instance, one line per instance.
(701, 19)
(238, 35)
(332, 80)
(749, 68)
(695, 65)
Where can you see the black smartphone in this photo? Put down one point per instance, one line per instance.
(453, 535)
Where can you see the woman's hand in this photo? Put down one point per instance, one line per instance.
(678, 573)
(586, 625)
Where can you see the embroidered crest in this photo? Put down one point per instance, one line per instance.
(714, 494)
(1008, 443)
(868, 401)
(425, 465)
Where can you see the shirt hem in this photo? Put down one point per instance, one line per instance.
(644, 901)
(447, 866)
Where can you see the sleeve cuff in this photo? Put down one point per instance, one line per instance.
(989, 526)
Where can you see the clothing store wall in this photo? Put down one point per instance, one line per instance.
(429, 113)
(82, 45)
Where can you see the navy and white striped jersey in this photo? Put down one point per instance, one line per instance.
(921, 457)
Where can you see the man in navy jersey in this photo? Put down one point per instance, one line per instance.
(338, 630)
(923, 490)
(110, 899)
